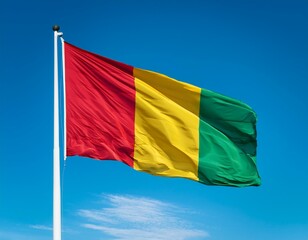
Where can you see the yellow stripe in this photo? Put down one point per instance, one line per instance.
(166, 126)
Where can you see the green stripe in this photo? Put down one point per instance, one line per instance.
(227, 141)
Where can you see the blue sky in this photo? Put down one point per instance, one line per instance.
(254, 51)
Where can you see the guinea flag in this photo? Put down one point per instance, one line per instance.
(156, 124)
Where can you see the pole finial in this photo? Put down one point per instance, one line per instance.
(55, 28)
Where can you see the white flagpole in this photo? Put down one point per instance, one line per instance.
(56, 146)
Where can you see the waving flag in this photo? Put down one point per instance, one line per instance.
(156, 124)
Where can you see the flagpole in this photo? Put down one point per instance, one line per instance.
(56, 146)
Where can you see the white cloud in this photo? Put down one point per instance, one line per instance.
(153, 233)
(50, 228)
(41, 227)
(130, 217)
(14, 235)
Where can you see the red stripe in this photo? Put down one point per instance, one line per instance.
(100, 106)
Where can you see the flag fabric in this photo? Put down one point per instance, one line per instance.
(156, 124)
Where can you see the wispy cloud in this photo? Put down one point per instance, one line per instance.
(131, 217)
(14, 235)
(41, 227)
(49, 228)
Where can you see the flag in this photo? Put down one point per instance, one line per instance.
(156, 124)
